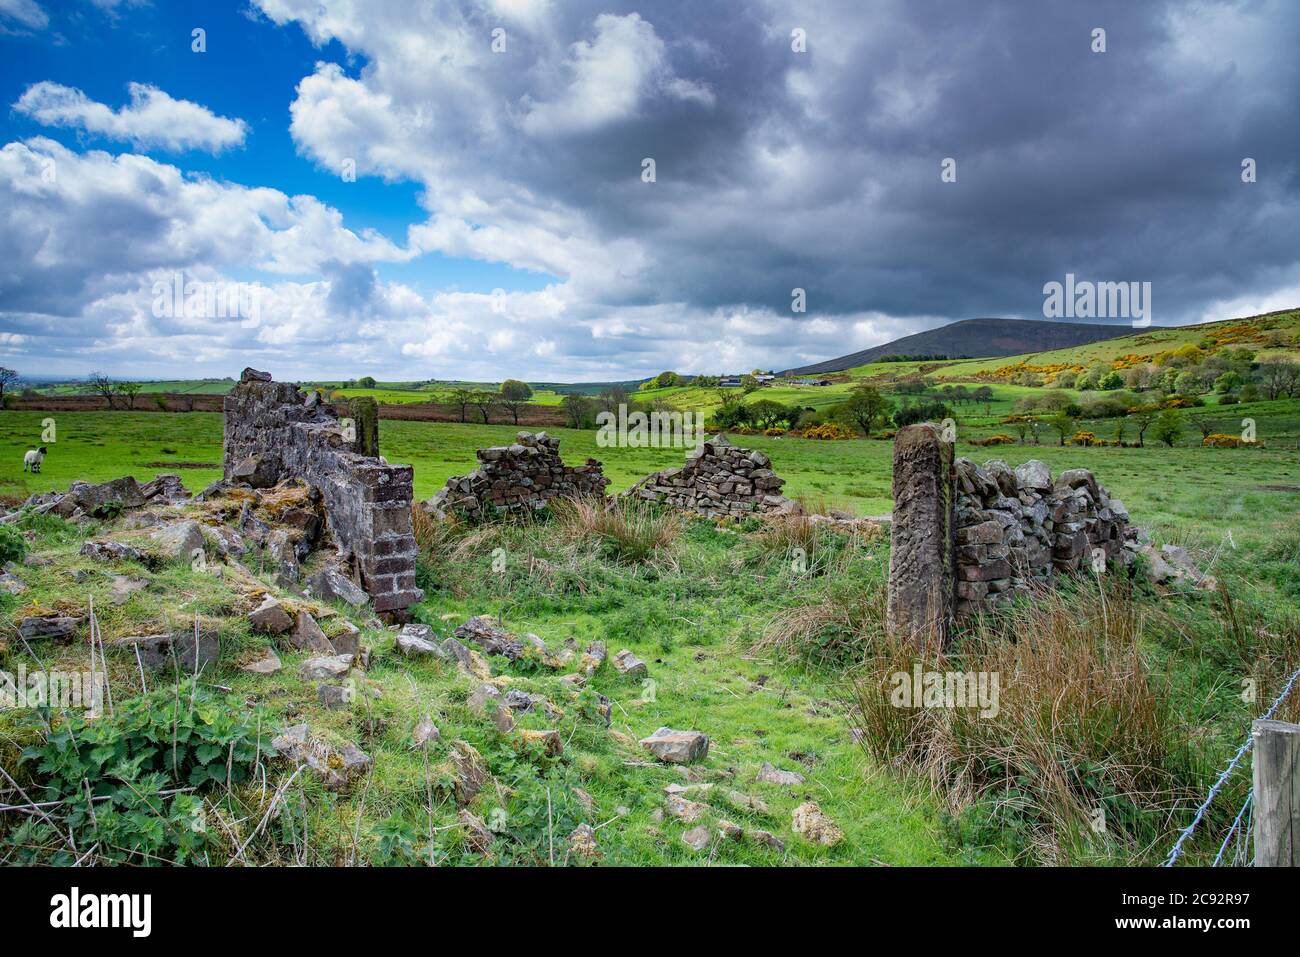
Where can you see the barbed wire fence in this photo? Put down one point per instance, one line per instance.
(1236, 849)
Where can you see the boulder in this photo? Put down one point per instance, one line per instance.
(270, 617)
(325, 666)
(54, 627)
(1034, 475)
(677, 747)
(308, 636)
(109, 551)
(335, 765)
(626, 663)
(773, 775)
(179, 650)
(697, 838)
(467, 770)
(268, 665)
(491, 637)
(415, 641)
(809, 821)
(330, 584)
(178, 541)
(335, 697)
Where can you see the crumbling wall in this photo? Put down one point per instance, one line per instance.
(274, 432)
(1017, 529)
(719, 479)
(525, 475)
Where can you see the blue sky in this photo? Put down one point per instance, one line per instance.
(501, 223)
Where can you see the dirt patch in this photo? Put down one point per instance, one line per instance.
(1279, 488)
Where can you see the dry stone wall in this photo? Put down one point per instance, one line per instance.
(719, 479)
(275, 432)
(523, 476)
(1018, 528)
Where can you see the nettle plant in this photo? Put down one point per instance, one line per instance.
(131, 785)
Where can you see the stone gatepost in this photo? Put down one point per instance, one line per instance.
(922, 571)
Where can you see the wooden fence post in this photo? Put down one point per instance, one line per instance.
(1277, 793)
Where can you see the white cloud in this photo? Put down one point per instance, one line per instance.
(26, 12)
(152, 118)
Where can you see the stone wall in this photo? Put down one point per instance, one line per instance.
(719, 479)
(1017, 529)
(522, 476)
(274, 432)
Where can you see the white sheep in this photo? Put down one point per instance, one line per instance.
(33, 459)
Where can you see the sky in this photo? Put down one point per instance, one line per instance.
(563, 190)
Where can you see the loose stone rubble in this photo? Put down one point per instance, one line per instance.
(524, 476)
(718, 480)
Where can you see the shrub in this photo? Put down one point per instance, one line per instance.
(1229, 399)
(1085, 438)
(111, 774)
(12, 544)
(774, 431)
(1219, 440)
(830, 430)
(1000, 439)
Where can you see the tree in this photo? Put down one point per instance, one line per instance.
(7, 378)
(462, 398)
(1021, 424)
(1110, 381)
(984, 396)
(1063, 424)
(104, 387)
(865, 407)
(366, 382)
(577, 411)
(748, 384)
(1121, 429)
(1205, 426)
(484, 401)
(1169, 426)
(515, 395)
(1142, 418)
(128, 391)
(766, 413)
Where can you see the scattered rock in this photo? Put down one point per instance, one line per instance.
(307, 635)
(766, 838)
(415, 641)
(264, 666)
(332, 666)
(729, 831)
(593, 658)
(335, 766)
(347, 639)
(124, 588)
(109, 551)
(178, 542)
(585, 799)
(330, 584)
(677, 747)
(491, 637)
(425, 732)
(626, 663)
(468, 771)
(773, 775)
(682, 809)
(468, 661)
(697, 838)
(335, 697)
(11, 584)
(811, 823)
(56, 627)
(745, 802)
(582, 843)
(271, 618)
(179, 650)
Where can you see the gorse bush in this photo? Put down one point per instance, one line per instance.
(131, 785)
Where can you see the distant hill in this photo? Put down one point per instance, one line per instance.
(979, 338)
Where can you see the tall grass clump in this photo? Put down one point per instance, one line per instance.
(1083, 756)
(623, 530)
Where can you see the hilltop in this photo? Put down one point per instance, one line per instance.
(976, 337)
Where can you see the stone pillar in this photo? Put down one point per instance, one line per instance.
(922, 573)
(365, 417)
